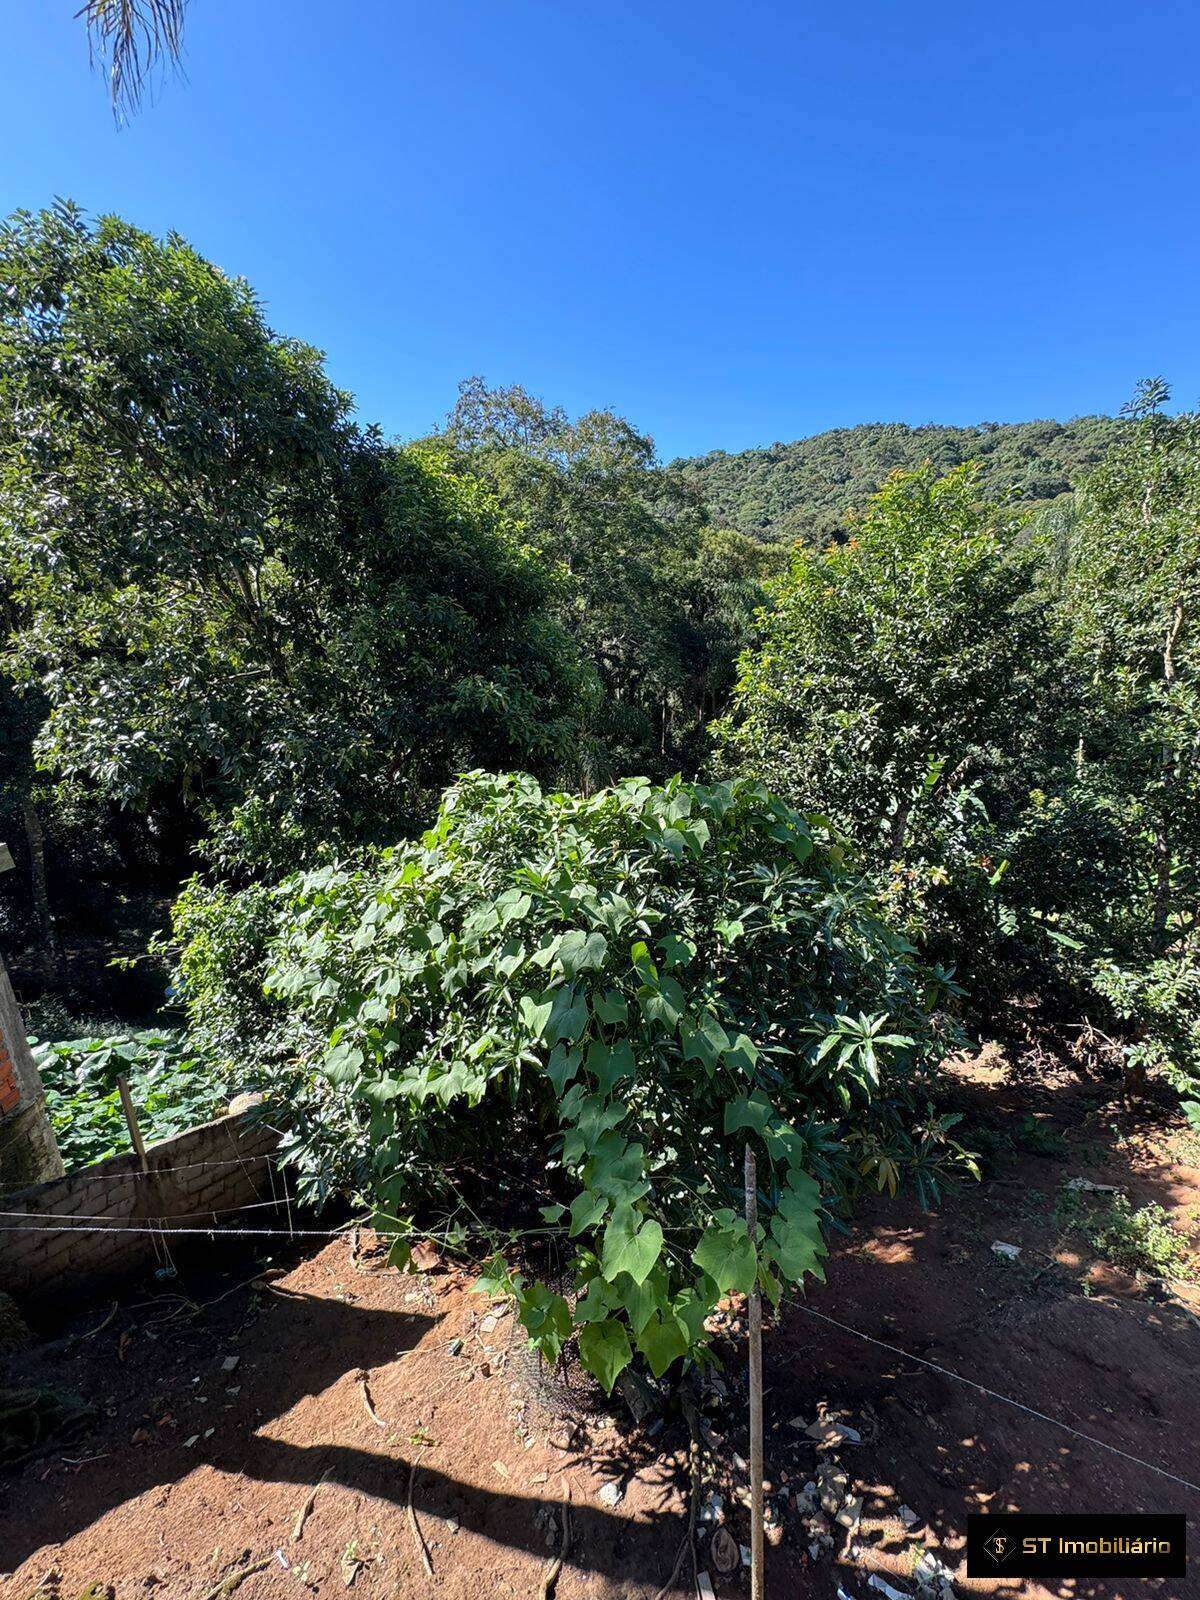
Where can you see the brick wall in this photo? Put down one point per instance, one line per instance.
(196, 1179)
(10, 1090)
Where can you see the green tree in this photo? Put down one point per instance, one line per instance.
(225, 589)
(1132, 597)
(910, 683)
(1132, 594)
(646, 596)
(805, 490)
(898, 664)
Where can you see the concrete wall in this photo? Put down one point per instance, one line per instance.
(196, 1179)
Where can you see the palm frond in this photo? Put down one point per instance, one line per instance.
(130, 38)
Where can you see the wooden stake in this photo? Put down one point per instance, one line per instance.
(756, 1391)
(161, 1249)
(131, 1121)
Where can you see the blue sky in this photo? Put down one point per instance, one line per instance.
(733, 223)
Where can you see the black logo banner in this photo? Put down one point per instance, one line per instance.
(1122, 1546)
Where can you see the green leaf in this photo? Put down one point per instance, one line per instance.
(796, 1242)
(726, 1254)
(343, 1065)
(676, 951)
(662, 1341)
(568, 1015)
(593, 1306)
(595, 1115)
(535, 1014)
(587, 1209)
(605, 1351)
(691, 1308)
(752, 1111)
(632, 1244)
(617, 1169)
(742, 1055)
(644, 966)
(562, 1066)
(609, 1063)
(665, 1004)
(580, 952)
(641, 1300)
(495, 1280)
(611, 1007)
(546, 1317)
(705, 1041)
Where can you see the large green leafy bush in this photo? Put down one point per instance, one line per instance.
(615, 993)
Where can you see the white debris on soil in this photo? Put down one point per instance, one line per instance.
(934, 1578)
(886, 1589)
(713, 1509)
(849, 1513)
(833, 1484)
(1010, 1252)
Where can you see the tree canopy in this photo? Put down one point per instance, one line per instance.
(222, 586)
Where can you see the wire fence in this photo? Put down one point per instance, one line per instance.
(60, 1222)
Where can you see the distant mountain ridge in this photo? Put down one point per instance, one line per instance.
(804, 489)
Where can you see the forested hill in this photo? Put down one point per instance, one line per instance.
(803, 490)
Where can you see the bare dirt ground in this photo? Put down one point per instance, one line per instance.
(217, 1417)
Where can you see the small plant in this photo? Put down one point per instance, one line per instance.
(1145, 1240)
(1039, 1139)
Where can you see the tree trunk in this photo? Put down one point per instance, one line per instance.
(754, 1317)
(1161, 915)
(52, 955)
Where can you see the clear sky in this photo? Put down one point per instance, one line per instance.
(733, 222)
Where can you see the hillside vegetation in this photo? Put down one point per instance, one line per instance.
(803, 490)
(534, 815)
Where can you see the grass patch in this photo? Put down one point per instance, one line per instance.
(1145, 1240)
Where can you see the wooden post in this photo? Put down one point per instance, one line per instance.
(756, 1390)
(161, 1249)
(131, 1121)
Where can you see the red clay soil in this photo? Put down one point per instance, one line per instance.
(199, 1466)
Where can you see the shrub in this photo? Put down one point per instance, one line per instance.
(623, 989)
(1157, 1007)
(1145, 1240)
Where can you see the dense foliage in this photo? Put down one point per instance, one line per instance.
(170, 1088)
(907, 683)
(244, 637)
(225, 591)
(625, 988)
(1006, 722)
(658, 602)
(1132, 597)
(803, 491)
